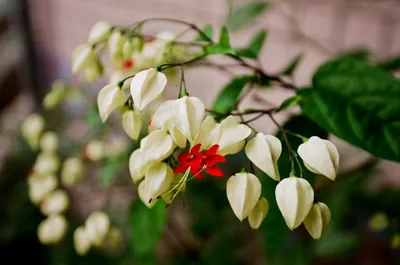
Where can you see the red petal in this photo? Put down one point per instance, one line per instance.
(199, 176)
(180, 168)
(183, 157)
(215, 171)
(215, 159)
(195, 170)
(213, 150)
(195, 149)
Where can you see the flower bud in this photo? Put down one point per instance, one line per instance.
(158, 178)
(49, 142)
(40, 187)
(110, 97)
(188, 116)
(55, 203)
(127, 49)
(82, 57)
(72, 171)
(317, 220)
(395, 242)
(81, 241)
(264, 151)
(232, 136)
(243, 191)
(157, 146)
(132, 123)
(115, 44)
(258, 214)
(137, 165)
(97, 225)
(147, 86)
(46, 164)
(162, 115)
(320, 157)
(52, 229)
(99, 32)
(94, 150)
(295, 198)
(55, 96)
(93, 72)
(116, 146)
(137, 44)
(178, 137)
(31, 130)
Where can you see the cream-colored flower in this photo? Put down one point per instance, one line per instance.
(82, 242)
(93, 72)
(46, 163)
(144, 196)
(232, 136)
(110, 97)
(99, 32)
(258, 214)
(56, 95)
(243, 191)
(55, 203)
(97, 226)
(295, 198)
(189, 115)
(132, 123)
(49, 142)
(320, 157)
(317, 220)
(72, 171)
(157, 146)
(209, 133)
(82, 57)
(40, 187)
(158, 178)
(115, 44)
(264, 151)
(137, 165)
(32, 128)
(127, 49)
(147, 86)
(52, 229)
(94, 150)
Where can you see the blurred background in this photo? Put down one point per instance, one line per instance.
(37, 38)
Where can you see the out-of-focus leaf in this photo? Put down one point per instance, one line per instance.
(227, 98)
(390, 64)
(358, 103)
(335, 243)
(218, 49)
(146, 226)
(364, 55)
(224, 39)
(254, 48)
(244, 15)
(110, 169)
(289, 102)
(291, 67)
(208, 31)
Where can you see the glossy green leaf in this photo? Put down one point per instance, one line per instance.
(358, 103)
(254, 48)
(390, 64)
(289, 102)
(244, 15)
(208, 31)
(146, 226)
(292, 66)
(227, 98)
(218, 49)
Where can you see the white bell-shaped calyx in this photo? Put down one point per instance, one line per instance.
(317, 220)
(82, 57)
(72, 171)
(264, 151)
(132, 123)
(158, 178)
(232, 136)
(320, 157)
(99, 32)
(32, 128)
(209, 133)
(137, 165)
(294, 197)
(82, 242)
(243, 191)
(55, 203)
(258, 214)
(157, 146)
(97, 225)
(189, 114)
(110, 97)
(49, 142)
(52, 229)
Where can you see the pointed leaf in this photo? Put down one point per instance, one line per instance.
(291, 67)
(245, 14)
(224, 40)
(289, 102)
(208, 31)
(255, 46)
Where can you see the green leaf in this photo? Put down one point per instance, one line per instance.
(291, 67)
(255, 46)
(218, 49)
(227, 98)
(358, 103)
(146, 226)
(245, 14)
(289, 102)
(357, 54)
(224, 39)
(109, 170)
(391, 64)
(208, 31)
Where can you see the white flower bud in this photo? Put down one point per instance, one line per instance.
(55, 203)
(72, 171)
(189, 115)
(116, 146)
(46, 164)
(94, 150)
(97, 225)
(110, 97)
(144, 196)
(209, 133)
(55, 96)
(82, 57)
(232, 136)
(295, 198)
(31, 129)
(157, 146)
(258, 214)
(127, 49)
(147, 86)
(137, 165)
(115, 43)
(82, 242)
(49, 142)
(264, 151)
(93, 72)
(243, 191)
(158, 178)
(179, 139)
(132, 123)
(320, 157)
(317, 220)
(52, 229)
(99, 32)
(40, 187)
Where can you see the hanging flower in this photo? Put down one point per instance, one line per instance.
(32, 128)
(40, 187)
(55, 96)
(52, 229)
(110, 97)
(99, 32)
(82, 242)
(93, 72)
(49, 142)
(132, 123)
(55, 203)
(189, 115)
(317, 220)
(258, 214)
(97, 225)
(82, 57)
(72, 171)
(94, 150)
(46, 164)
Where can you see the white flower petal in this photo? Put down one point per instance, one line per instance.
(179, 139)
(258, 214)
(55, 203)
(209, 133)
(143, 195)
(189, 116)
(163, 114)
(81, 241)
(137, 165)
(157, 146)
(110, 97)
(132, 123)
(32, 128)
(313, 222)
(82, 57)
(158, 178)
(72, 171)
(52, 229)
(325, 214)
(49, 142)
(232, 133)
(97, 225)
(99, 32)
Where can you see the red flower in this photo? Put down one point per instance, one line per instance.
(197, 161)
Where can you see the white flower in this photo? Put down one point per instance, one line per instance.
(127, 49)
(243, 191)
(295, 198)
(110, 97)
(258, 214)
(81, 241)
(147, 86)
(46, 164)
(115, 44)
(264, 151)
(99, 32)
(209, 133)
(40, 186)
(232, 136)
(55, 96)
(82, 57)
(157, 146)
(72, 171)
(137, 165)
(132, 123)
(94, 150)
(317, 220)
(55, 203)
(93, 72)
(52, 229)
(122, 73)
(116, 146)
(189, 115)
(49, 142)
(97, 225)
(144, 196)
(320, 157)
(176, 135)
(31, 130)
(158, 178)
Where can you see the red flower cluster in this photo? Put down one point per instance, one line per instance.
(197, 161)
